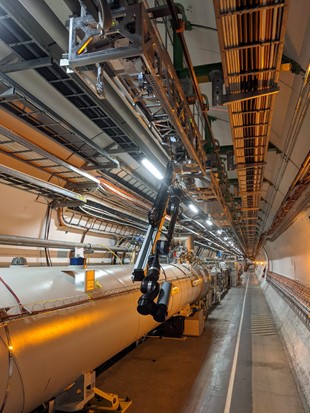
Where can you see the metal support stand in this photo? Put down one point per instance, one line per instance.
(82, 395)
(108, 402)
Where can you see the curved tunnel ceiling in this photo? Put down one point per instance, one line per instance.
(258, 142)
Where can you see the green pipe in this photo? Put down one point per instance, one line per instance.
(202, 71)
(177, 52)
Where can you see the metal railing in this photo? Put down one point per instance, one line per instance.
(296, 293)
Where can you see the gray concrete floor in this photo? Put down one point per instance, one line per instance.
(191, 375)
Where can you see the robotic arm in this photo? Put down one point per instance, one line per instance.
(147, 267)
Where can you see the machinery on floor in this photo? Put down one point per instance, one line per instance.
(59, 323)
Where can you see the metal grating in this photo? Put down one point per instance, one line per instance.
(24, 45)
(262, 325)
(21, 149)
(36, 186)
(251, 40)
(126, 180)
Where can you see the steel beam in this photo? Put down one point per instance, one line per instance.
(46, 155)
(20, 90)
(249, 9)
(253, 125)
(247, 193)
(251, 45)
(239, 97)
(26, 64)
(251, 73)
(242, 166)
(47, 243)
(26, 182)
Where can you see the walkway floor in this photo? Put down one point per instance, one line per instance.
(232, 368)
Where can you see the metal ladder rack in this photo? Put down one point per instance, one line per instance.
(36, 186)
(19, 148)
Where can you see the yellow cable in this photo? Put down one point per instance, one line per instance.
(115, 255)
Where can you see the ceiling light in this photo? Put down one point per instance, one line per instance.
(209, 222)
(219, 231)
(84, 45)
(225, 238)
(151, 168)
(193, 208)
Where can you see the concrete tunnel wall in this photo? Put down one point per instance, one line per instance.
(289, 255)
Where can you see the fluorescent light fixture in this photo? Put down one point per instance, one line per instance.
(225, 238)
(151, 168)
(209, 222)
(193, 208)
(219, 231)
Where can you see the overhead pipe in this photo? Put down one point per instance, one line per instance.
(47, 243)
(105, 18)
(191, 70)
(131, 124)
(40, 11)
(24, 81)
(74, 6)
(197, 224)
(296, 123)
(127, 120)
(189, 63)
(68, 225)
(16, 137)
(110, 217)
(52, 331)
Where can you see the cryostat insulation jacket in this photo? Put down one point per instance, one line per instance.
(52, 332)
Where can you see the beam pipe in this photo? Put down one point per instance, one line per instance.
(47, 243)
(52, 332)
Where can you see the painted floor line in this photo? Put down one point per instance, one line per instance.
(234, 363)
